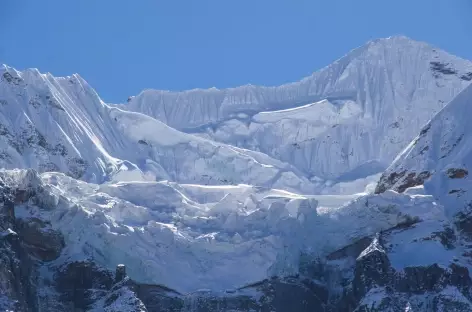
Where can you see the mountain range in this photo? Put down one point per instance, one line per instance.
(348, 190)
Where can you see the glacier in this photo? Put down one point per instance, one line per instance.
(191, 237)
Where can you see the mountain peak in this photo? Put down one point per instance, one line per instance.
(398, 39)
(398, 45)
(385, 42)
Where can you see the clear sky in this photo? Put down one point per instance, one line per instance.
(122, 46)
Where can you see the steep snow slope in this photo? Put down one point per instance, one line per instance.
(440, 157)
(362, 109)
(61, 124)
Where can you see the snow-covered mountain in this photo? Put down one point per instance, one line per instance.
(440, 157)
(61, 124)
(437, 162)
(193, 223)
(347, 120)
(342, 125)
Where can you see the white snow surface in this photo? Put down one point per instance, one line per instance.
(350, 118)
(191, 237)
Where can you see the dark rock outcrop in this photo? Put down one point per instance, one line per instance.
(400, 181)
(120, 273)
(17, 269)
(457, 173)
(467, 76)
(39, 239)
(81, 283)
(372, 269)
(442, 68)
(158, 298)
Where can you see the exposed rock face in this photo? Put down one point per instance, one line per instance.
(372, 269)
(402, 180)
(16, 283)
(27, 246)
(122, 297)
(120, 274)
(17, 268)
(459, 173)
(288, 294)
(159, 298)
(39, 239)
(377, 286)
(81, 283)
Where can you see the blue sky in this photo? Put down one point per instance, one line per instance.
(121, 47)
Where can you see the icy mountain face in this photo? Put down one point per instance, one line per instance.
(56, 124)
(440, 157)
(60, 124)
(222, 248)
(438, 160)
(344, 123)
(362, 109)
